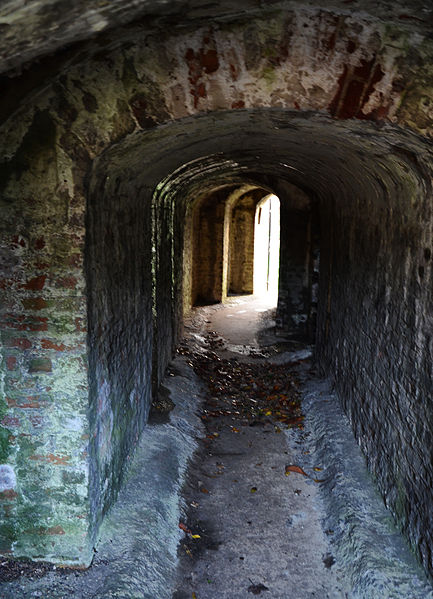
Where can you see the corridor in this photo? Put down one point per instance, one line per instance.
(256, 511)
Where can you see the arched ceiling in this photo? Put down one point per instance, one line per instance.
(327, 159)
(32, 29)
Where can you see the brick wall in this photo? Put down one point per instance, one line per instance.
(119, 278)
(241, 257)
(208, 249)
(294, 309)
(375, 335)
(43, 321)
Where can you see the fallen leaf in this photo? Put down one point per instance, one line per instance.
(184, 527)
(293, 468)
(328, 560)
(194, 596)
(256, 589)
(317, 469)
(235, 430)
(195, 537)
(204, 490)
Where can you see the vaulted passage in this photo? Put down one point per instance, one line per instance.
(135, 182)
(344, 197)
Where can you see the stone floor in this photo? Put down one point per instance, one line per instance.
(325, 535)
(260, 532)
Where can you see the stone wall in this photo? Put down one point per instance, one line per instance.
(241, 257)
(294, 309)
(119, 287)
(44, 430)
(208, 249)
(375, 334)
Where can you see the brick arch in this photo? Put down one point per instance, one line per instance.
(357, 175)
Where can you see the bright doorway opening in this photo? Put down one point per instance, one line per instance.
(267, 248)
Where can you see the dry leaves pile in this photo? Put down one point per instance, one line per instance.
(253, 392)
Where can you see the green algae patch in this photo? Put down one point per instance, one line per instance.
(4, 444)
(3, 409)
(269, 76)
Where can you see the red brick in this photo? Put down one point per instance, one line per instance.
(20, 342)
(5, 283)
(40, 243)
(352, 99)
(75, 260)
(363, 71)
(79, 325)
(23, 323)
(34, 303)
(37, 324)
(8, 494)
(36, 419)
(11, 363)
(57, 460)
(29, 402)
(36, 284)
(47, 344)
(17, 240)
(67, 282)
(209, 61)
(10, 421)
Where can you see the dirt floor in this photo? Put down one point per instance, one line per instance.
(278, 500)
(252, 524)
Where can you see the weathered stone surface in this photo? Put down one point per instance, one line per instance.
(241, 251)
(375, 333)
(35, 28)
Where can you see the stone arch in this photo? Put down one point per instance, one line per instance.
(352, 183)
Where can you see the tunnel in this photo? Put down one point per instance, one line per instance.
(334, 191)
(133, 163)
